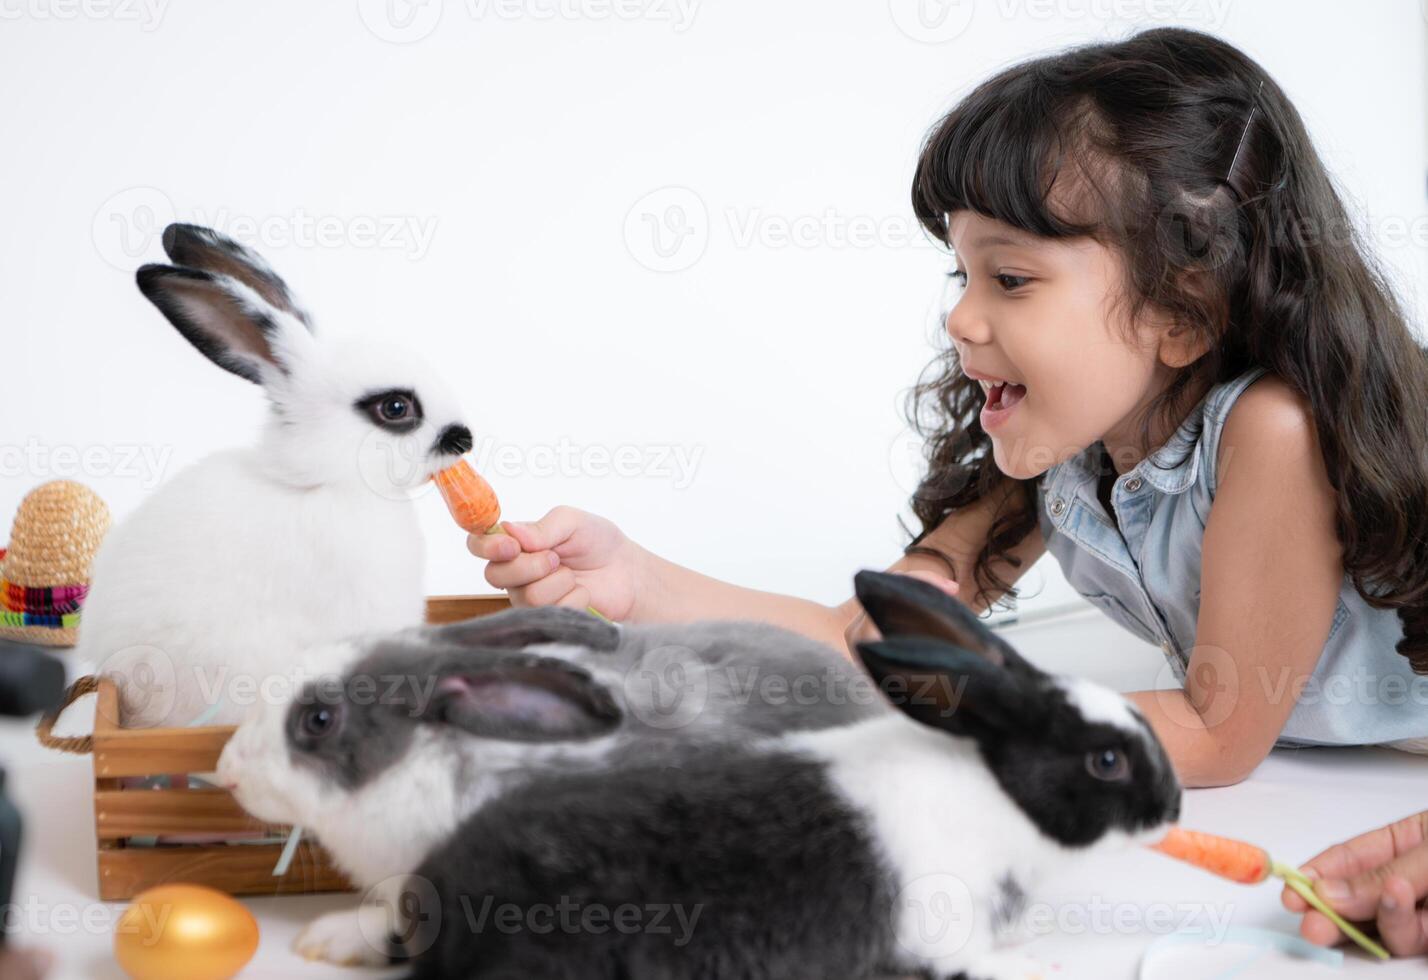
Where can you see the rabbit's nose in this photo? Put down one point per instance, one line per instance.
(455, 440)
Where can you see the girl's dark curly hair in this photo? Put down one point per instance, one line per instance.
(1191, 162)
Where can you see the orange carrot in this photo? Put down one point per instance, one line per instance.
(1249, 865)
(1227, 858)
(470, 498)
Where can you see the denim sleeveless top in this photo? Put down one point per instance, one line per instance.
(1143, 571)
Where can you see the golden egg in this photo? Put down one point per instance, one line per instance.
(184, 932)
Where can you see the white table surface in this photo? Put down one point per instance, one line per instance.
(1094, 923)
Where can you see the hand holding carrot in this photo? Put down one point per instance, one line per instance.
(1379, 877)
(567, 558)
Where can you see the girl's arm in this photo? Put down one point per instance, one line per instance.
(1270, 572)
(673, 593)
(574, 558)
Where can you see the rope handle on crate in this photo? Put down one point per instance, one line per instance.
(44, 728)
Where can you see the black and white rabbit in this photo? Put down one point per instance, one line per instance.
(383, 759)
(251, 554)
(900, 844)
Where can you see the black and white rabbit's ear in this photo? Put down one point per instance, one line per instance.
(901, 605)
(195, 247)
(951, 688)
(515, 629)
(229, 322)
(530, 699)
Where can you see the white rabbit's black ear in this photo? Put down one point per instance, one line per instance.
(515, 629)
(230, 323)
(900, 605)
(950, 688)
(195, 247)
(532, 699)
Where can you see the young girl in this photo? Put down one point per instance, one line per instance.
(1173, 366)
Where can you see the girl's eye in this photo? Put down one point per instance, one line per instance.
(1109, 765)
(957, 283)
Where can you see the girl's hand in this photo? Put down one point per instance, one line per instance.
(567, 558)
(1380, 877)
(861, 629)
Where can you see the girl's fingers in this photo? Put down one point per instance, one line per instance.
(549, 590)
(576, 598)
(493, 547)
(1402, 926)
(1292, 900)
(552, 530)
(1317, 928)
(521, 570)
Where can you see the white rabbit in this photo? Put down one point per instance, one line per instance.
(211, 586)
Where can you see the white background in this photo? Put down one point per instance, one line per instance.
(515, 147)
(531, 145)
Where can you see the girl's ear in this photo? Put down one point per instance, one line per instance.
(531, 700)
(950, 688)
(900, 605)
(194, 247)
(230, 323)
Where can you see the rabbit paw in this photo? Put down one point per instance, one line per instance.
(1005, 966)
(352, 937)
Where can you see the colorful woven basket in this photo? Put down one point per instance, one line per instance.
(44, 573)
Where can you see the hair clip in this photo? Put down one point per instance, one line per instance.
(1254, 107)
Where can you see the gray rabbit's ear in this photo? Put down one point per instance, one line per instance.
(195, 247)
(230, 323)
(515, 629)
(900, 605)
(526, 699)
(950, 688)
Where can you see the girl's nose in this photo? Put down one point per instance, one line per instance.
(964, 326)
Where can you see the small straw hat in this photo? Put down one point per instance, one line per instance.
(44, 573)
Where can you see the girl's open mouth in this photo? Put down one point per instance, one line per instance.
(1002, 398)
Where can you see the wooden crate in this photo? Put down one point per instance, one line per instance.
(122, 813)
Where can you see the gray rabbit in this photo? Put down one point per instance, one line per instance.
(397, 738)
